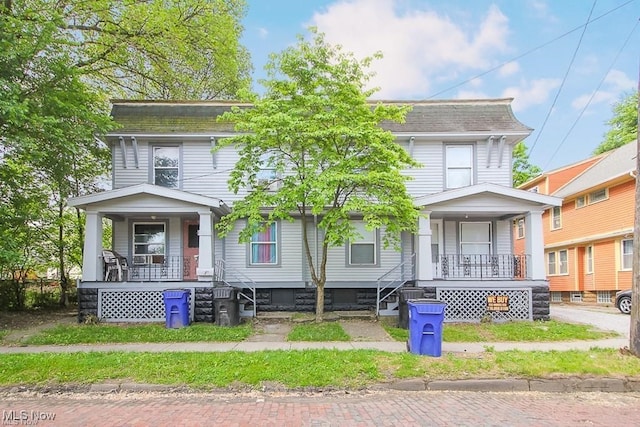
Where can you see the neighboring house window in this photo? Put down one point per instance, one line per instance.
(603, 297)
(149, 243)
(627, 254)
(556, 217)
(580, 202)
(598, 196)
(264, 246)
(556, 296)
(459, 165)
(475, 238)
(363, 250)
(589, 259)
(576, 297)
(166, 166)
(520, 228)
(558, 262)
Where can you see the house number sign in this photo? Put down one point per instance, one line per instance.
(497, 303)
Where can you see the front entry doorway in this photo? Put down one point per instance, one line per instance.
(190, 251)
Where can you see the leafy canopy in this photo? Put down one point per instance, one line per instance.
(624, 125)
(523, 170)
(327, 156)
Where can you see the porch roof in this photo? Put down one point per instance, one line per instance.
(85, 202)
(484, 197)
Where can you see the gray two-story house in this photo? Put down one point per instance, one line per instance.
(169, 189)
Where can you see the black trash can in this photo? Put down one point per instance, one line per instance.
(176, 307)
(226, 306)
(404, 295)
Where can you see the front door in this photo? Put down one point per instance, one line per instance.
(190, 251)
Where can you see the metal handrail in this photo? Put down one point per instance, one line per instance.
(221, 270)
(396, 282)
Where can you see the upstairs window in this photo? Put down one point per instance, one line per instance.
(166, 166)
(267, 175)
(264, 246)
(598, 196)
(580, 202)
(363, 249)
(149, 243)
(556, 217)
(459, 166)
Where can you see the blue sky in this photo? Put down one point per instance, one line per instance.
(564, 79)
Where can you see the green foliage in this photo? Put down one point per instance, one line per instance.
(103, 333)
(316, 130)
(509, 331)
(309, 368)
(325, 331)
(624, 124)
(523, 171)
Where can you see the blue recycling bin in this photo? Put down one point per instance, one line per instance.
(176, 307)
(426, 317)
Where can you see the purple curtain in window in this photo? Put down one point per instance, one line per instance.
(263, 246)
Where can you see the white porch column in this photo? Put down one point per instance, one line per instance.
(424, 265)
(92, 256)
(534, 245)
(205, 239)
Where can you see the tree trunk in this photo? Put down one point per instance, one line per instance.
(319, 302)
(634, 333)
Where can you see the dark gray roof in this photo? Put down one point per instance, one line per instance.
(438, 117)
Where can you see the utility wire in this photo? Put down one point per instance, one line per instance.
(593, 94)
(564, 79)
(530, 51)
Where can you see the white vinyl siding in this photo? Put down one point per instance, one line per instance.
(429, 177)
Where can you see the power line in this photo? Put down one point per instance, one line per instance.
(564, 79)
(593, 94)
(530, 51)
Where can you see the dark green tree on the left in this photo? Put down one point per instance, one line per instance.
(60, 61)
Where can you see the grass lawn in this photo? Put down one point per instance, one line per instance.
(310, 368)
(509, 331)
(326, 331)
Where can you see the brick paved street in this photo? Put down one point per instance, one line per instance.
(371, 408)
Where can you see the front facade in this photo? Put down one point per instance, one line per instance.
(589, 239)
(170, 189)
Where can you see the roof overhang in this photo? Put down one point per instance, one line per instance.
(486, 199)
(103, 198)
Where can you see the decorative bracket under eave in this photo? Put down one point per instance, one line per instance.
(123, 148)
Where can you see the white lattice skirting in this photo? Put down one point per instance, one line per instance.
(135, 305)
(470, 305)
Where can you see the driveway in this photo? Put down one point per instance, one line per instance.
(605, 318)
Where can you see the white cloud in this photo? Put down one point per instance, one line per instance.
(419, 45)
(263, 32)
(616, 83)
(530, 93)
(509, 69)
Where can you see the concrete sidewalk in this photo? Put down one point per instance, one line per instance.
(248, 346)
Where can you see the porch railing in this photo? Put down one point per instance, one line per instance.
(393, 279)
(234, 278)
(481, 267)
(161, 268)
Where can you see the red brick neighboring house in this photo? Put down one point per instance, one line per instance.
(588, 241)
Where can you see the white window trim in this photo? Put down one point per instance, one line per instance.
(520, 228)
(553, 216)
(470, 167)
(575, 296)
(276, 242)
(557, 263)
(361, 241)
(148, 257)
(606, 196)
(267, 176)
(556, 296)
(154, 168)
(583, 203)
(622, 254)
(588, 258)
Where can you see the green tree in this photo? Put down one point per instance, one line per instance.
(318, 134)
(624, 124)
(522, 170)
